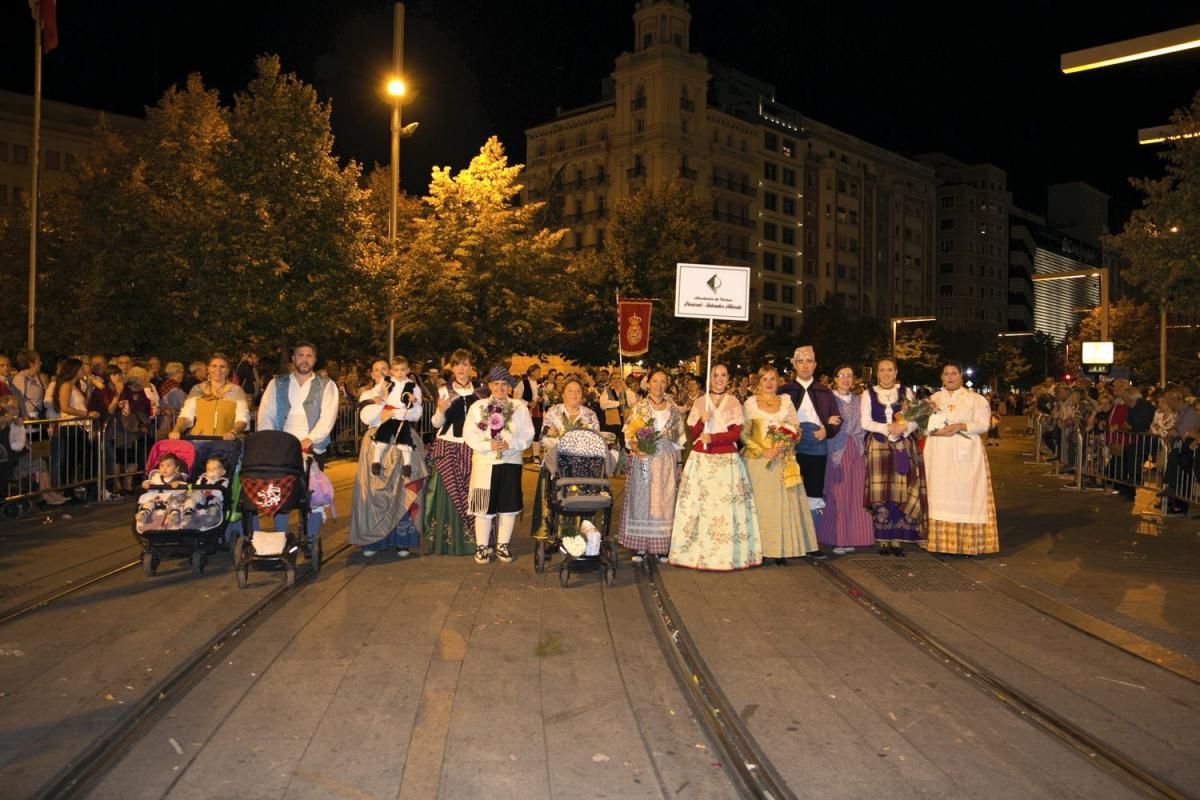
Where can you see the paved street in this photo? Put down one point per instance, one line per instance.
(435, 677)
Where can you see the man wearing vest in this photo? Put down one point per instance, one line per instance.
(303, 404)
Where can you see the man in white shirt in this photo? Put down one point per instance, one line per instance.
(303, 403)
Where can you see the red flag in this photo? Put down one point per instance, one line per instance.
(47, 11)
(633, 326)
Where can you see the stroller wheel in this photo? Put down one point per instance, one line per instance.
(10, 511)
(290, 569)
(149, 563)
(197, 562)
(564, 575)
(539, 556)
(241, 564)
(610, 576)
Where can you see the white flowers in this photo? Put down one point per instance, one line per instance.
(937, 421)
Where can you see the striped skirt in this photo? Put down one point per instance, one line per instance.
(448, 526)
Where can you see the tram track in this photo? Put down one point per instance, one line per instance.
(1092, 749)
(750, 769)
(92, 763)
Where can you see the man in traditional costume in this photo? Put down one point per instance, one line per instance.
(820, 419)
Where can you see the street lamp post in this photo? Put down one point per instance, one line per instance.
(898, 321)
(395, 89)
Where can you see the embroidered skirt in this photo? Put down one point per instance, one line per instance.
(716, 524)
(648, 507)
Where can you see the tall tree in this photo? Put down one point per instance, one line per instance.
(1161, 240)
(297, 220)
(1131, 326)
(477, 270)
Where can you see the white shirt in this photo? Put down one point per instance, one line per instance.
(296, 422)
(371, 415)
(807, 412)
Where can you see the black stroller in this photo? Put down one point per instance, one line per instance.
(580, 491)
(173, 534)
(274, 480)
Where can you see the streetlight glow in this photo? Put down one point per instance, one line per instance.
(396, 87)
(1157, 44)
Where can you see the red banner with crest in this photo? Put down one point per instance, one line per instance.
(633, 326)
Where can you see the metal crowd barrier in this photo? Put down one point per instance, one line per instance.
(61, 455)
(1123, 462)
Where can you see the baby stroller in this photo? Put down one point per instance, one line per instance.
(274, 480)
(580, 503)
(194, 538)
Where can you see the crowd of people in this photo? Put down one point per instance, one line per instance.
(1139, 428)
(727, 473)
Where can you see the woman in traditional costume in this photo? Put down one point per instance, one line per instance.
(568, 415)
(448, 524)
(498, 429)
(895, 492)
(648, 507)
(715, 525)
(962, 508)
(768, 437)
(387, 509)
(845, 524)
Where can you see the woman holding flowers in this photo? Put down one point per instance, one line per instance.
(498, 429)
(654, 435)
(715, 525)
(895, 492)
(768, 438)
(845, 524)
(962, 509)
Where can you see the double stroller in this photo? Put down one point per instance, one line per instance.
(580, 504)
(164, 525)
(274, 481)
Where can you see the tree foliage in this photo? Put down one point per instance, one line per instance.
(476, 269)
(1161, 240)
(210, 227)
(1005, 365)
(1133, 328)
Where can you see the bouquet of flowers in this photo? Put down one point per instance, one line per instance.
(497, 418)
(641, 437)
(781, 434)
(925, 416)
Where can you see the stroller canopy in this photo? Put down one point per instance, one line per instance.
(272, 453)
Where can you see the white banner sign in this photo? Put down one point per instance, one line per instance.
(707, 291)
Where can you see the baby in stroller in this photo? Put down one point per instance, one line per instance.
(403, 395)
(205, 504)
(160, 500)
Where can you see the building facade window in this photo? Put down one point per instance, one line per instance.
(770, 171)
(770, 201)
(788, 265)
(20, 154)
(768, 260)
(770, 232)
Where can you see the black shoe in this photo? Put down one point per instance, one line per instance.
(817, 555)
(897, 550)
(781, 562)
(884, 550)
(377, 470)
(503, 554)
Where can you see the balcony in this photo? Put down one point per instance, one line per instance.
(733, 186)
(573, 219)
(600, 179)
(570, 186)
(688, 174)
(733, 219)
(633, 173)
(637, 104)
(687, 105)
(741, 255)
(595, 214)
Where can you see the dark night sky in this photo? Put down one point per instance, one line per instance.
(977, 80)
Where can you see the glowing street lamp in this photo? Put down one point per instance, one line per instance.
(1155, 44)
(395, 87)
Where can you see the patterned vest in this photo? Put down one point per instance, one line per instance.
(312, 404)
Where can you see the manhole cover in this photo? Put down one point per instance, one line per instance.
(919, 576)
